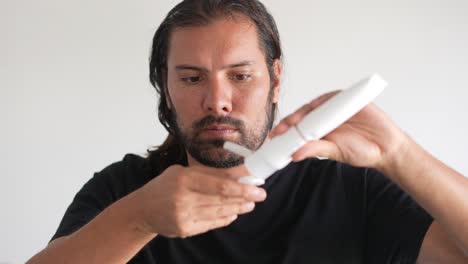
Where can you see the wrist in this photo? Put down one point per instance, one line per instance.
(395, 161)
(136, 213)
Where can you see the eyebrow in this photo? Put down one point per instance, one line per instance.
(195, 68)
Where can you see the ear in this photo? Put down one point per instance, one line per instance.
(277, 70)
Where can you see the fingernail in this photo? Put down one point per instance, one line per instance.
(257, 193)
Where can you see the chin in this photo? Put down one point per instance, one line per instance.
(218, 158)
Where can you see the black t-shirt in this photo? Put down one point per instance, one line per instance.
(317, 211)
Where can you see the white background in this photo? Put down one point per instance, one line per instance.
(75, 96)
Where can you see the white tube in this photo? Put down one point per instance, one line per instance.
(276, 153)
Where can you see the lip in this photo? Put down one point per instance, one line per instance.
(220, 127)
(219, 130)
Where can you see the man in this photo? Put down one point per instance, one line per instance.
(216, 65)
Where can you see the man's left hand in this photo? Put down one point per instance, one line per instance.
(368, 139)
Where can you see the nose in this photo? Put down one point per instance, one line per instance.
(217, 97)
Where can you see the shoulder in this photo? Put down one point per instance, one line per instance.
(103, 189)
(130, 164)
(123, 177)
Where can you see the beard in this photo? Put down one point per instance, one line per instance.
(210, 152)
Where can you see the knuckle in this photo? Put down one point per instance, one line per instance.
(223, 199)
(223, 187)
(296, 117)
(215, 224)
(181, 178)
(220, 211)
(180, 217)
(181, 183)
(240, 208)
(185, 230)
(246, 193)
(175, 169)
(288, 120)
(223, 222)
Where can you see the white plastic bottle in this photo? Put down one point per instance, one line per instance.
(276, 153)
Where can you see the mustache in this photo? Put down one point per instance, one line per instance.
(218, 120)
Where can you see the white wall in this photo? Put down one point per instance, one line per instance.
(74, 92)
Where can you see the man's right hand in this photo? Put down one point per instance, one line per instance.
(186, 201)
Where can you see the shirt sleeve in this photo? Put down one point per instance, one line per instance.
(396, 224)
(93, 197)
(104, 188)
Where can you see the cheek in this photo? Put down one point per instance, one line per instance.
(180, 98)
(186, 106)
(253, 101)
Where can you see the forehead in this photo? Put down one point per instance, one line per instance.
(223, 41)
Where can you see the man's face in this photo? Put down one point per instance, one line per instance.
(219, 90)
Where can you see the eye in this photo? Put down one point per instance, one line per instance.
(192, 79)
(241, 77)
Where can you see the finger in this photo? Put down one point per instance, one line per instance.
(323, 98)
(213, 185)
(240, 171)
(298, 115)
(204, 213)
(291, 120)
(318, 148)
(211, 200)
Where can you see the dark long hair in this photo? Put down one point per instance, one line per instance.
(199, 13)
